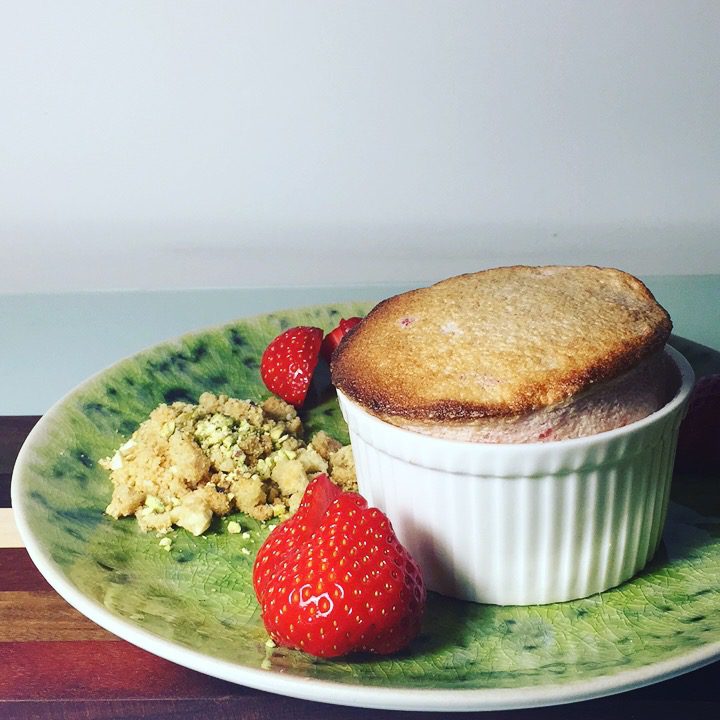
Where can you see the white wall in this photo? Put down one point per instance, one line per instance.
(176, 144)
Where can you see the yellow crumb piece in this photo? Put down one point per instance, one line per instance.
(234, 528)
(188, 463)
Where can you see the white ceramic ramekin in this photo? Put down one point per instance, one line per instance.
(523, 524)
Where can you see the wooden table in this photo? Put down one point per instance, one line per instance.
(54, 663)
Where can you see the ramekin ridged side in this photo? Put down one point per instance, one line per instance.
(523, 524)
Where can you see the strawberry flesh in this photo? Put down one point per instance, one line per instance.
(338, 581)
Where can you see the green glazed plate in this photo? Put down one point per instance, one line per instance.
(195, 605)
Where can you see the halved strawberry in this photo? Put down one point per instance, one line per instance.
(335, 580)
(333, 338)
(289, 361)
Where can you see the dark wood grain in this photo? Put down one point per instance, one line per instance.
(24, 617)
(257, 708)
(96, 669)
(13, 431)
(5, 490)
(18, 572)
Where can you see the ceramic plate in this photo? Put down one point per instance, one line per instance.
(194, 605)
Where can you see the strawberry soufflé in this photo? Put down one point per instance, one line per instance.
(512, 355)
(518, 426)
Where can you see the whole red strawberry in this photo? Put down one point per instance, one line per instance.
(334, 579)
(288, 363)
(699, 439)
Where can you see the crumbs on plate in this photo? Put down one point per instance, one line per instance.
(187, 463)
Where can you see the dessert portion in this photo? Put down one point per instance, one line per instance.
(187, 463)
(512, 355)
